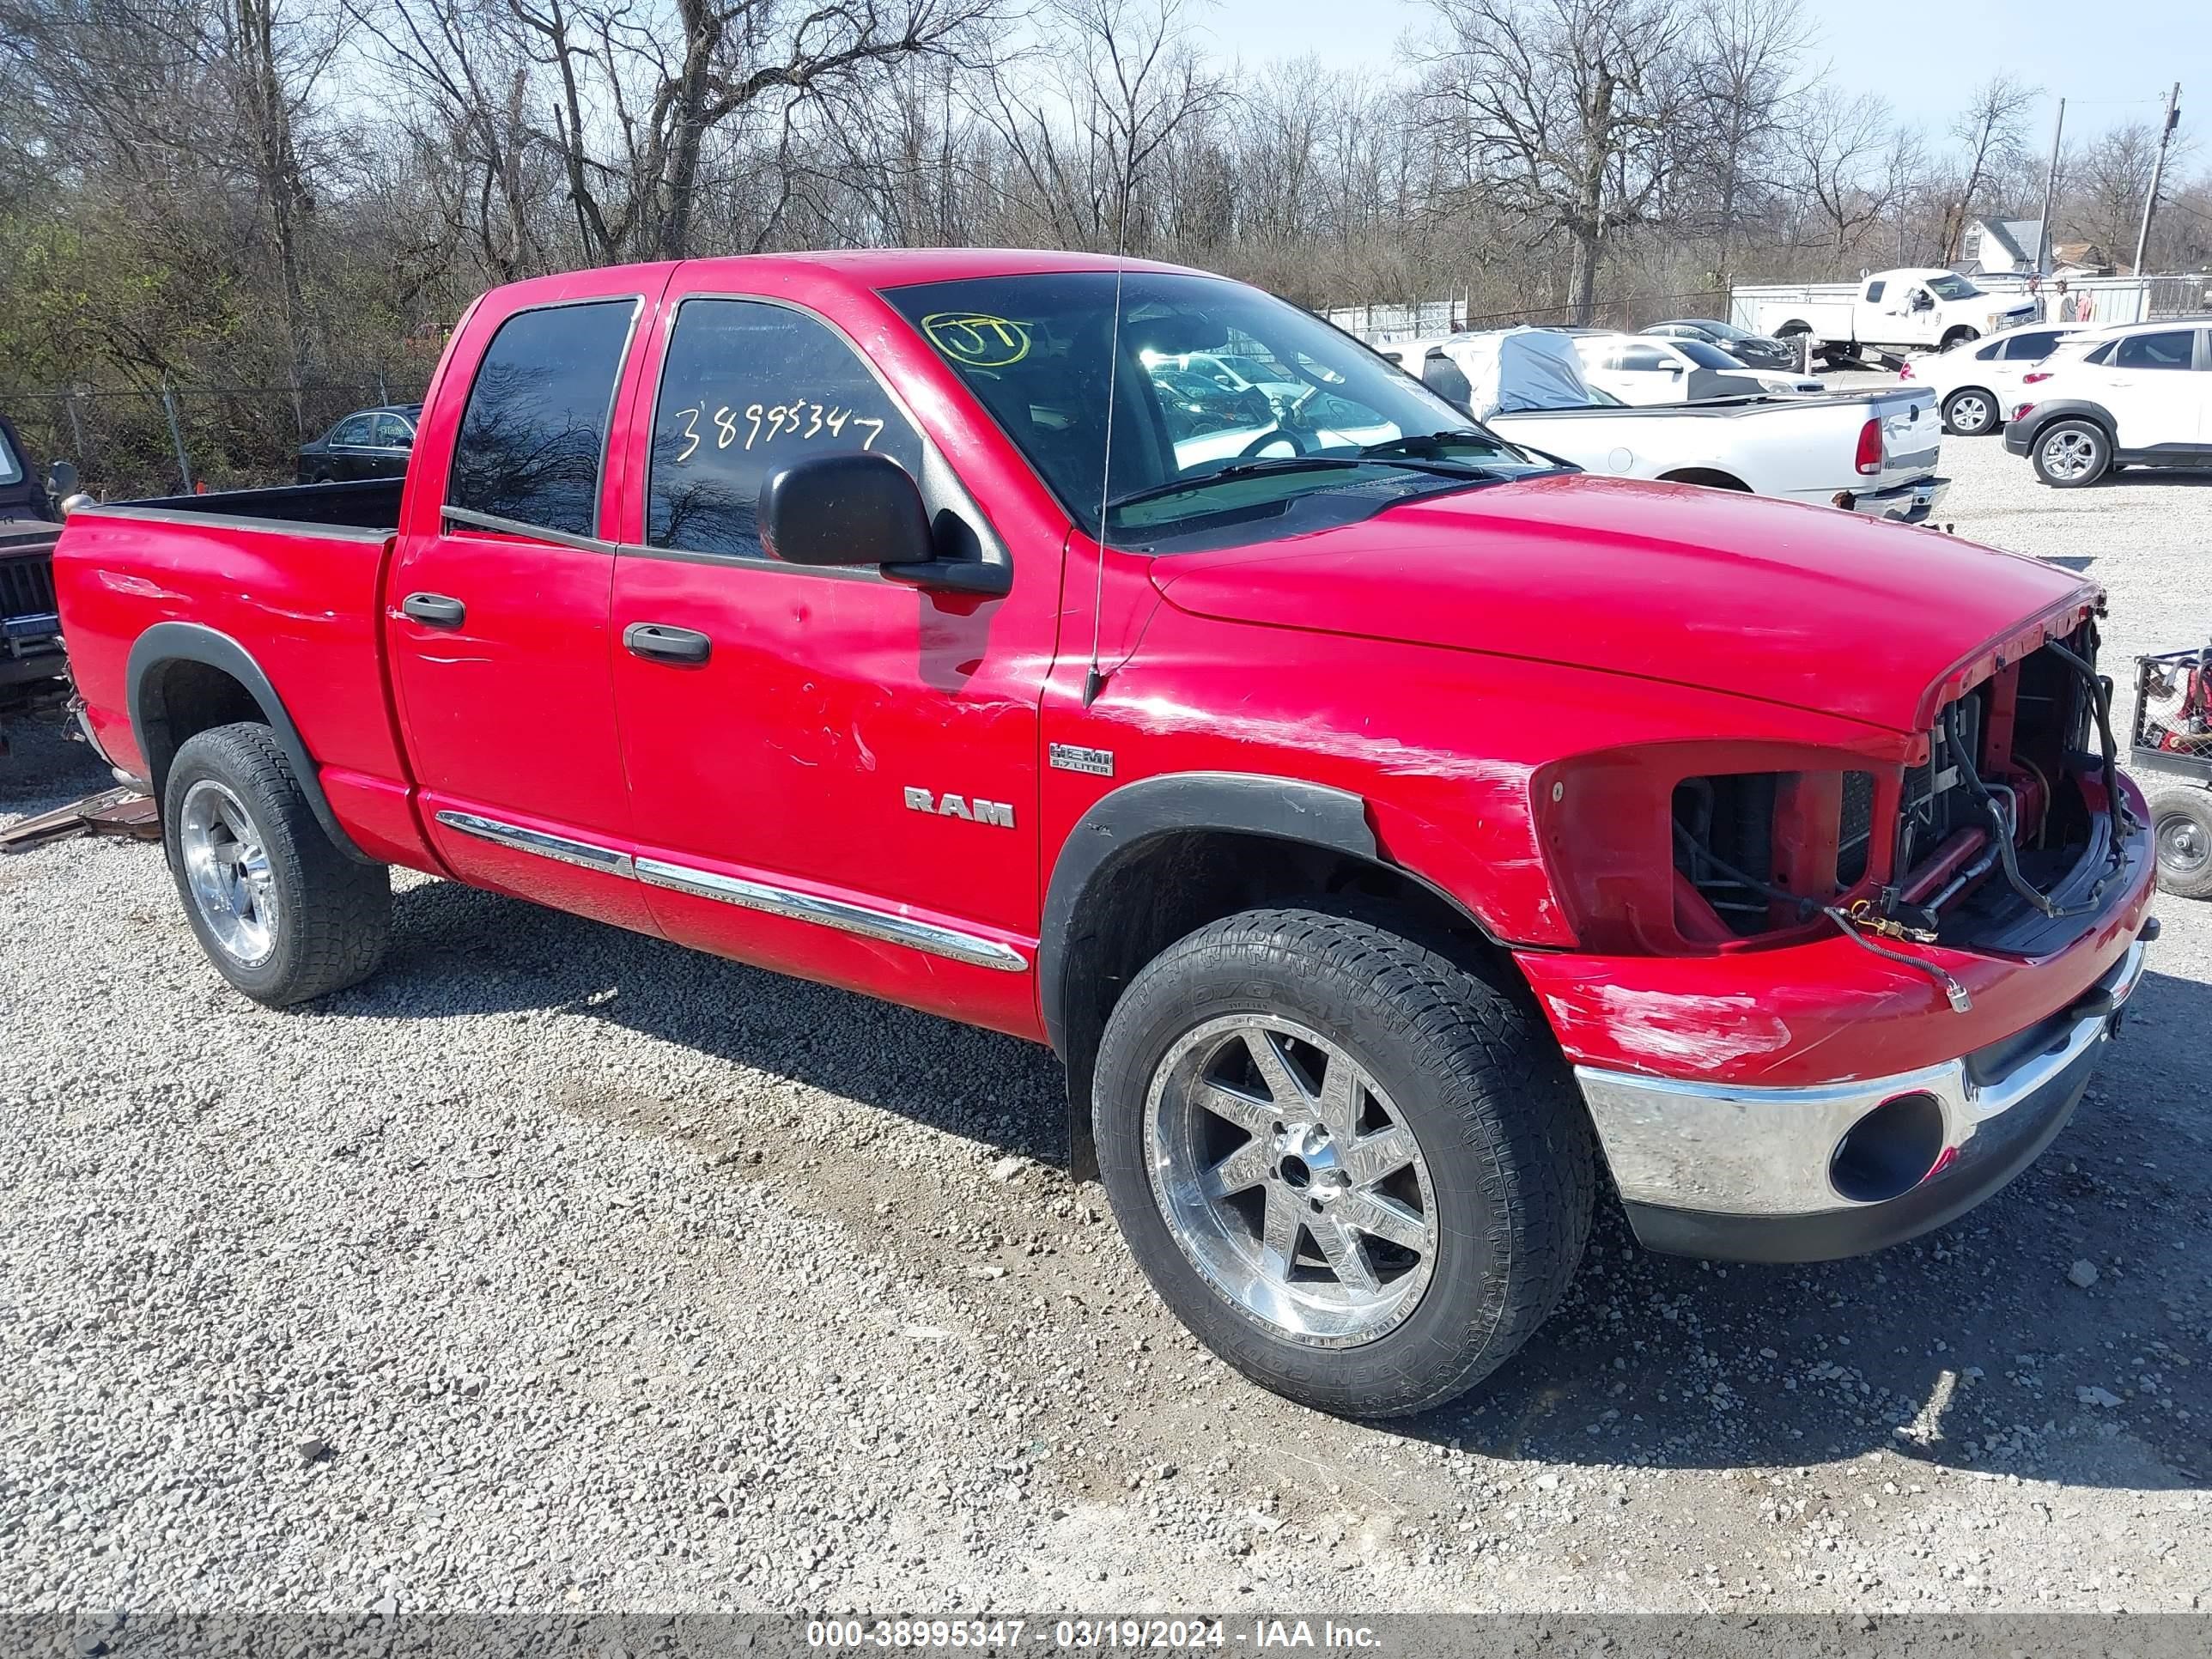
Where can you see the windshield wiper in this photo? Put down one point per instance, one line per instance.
(1429, 445)
(1260, 468)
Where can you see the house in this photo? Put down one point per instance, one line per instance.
(2000, 248)
(2084, 259)
(2008, 247)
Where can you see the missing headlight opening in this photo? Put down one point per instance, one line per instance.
(2011, 811)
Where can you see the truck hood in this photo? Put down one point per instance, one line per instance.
(1807, 606)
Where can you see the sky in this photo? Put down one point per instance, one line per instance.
(2113, 63)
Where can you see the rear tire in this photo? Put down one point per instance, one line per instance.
(283, 914)
(2072, 455)
(2181, 824)
(1267, 1203)
(1969, 413)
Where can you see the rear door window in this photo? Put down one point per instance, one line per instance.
(534, 436)
(2175, 349)
(354, 430)
(749, 389)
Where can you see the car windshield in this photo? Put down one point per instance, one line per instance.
(1227, 404)
(1953, 288)
(1704, 355)
(1725, 331)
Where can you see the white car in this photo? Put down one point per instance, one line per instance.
(1871, 451)
(1976, 382)
(1639, 370)
(2140, 395)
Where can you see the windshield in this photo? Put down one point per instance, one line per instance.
(1212, 377)
(1726, 331)
(1953, 288)
(1706, 357)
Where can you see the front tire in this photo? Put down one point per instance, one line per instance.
(283, 914)
(1358, 1172)
(2072, 455)
(1969, 413)
(2181, 822)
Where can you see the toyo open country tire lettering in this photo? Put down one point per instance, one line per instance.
(1358, 1172)
(1969, 413)
(283, 913)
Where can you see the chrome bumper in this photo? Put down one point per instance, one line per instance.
(1745, 1173)
(1910, 503)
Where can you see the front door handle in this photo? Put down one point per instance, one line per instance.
(662, 643)
(434, 609)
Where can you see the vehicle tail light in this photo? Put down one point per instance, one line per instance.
(1870, 459)
(2020, 413)
(2034, 377)
(1905, 373)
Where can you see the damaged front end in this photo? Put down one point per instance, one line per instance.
(2007, 828)
(1879, 982)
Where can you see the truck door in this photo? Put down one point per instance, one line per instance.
(496, 612)
(832, 773)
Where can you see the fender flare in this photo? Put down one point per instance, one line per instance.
(179, 642)
(1285, 808)
(2078, 409)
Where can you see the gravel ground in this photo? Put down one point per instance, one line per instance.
(560, 1268)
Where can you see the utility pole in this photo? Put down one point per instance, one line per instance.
(2048, 240)
(2157, 172)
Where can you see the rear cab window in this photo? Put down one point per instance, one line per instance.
(534, 439)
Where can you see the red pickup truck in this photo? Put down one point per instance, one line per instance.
(1383, 824)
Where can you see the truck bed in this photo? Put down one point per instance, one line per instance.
(370, 506)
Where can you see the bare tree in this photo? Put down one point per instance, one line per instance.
(1742, 79)
(1840, 149)
(1086, 118)
(1560, 109)
(1993, 130)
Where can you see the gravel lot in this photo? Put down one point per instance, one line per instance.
(561, 1268)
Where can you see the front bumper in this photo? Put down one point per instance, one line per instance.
(1907, 503)
(1745, 1174)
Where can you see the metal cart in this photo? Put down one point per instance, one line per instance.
(2173, 736)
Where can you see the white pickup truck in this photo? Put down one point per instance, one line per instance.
(1872, 451)
(1918, 308)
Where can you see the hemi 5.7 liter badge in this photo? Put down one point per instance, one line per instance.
(1074, 758)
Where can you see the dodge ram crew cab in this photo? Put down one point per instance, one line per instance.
(1382, 823)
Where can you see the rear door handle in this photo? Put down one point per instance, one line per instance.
(435, 609)
(662, 643)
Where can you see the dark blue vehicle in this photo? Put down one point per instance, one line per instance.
(370, 443)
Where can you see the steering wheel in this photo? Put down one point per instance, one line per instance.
(1281, 434)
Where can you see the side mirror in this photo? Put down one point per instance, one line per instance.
(861, 509)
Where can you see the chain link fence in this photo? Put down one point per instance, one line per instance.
(157, 440)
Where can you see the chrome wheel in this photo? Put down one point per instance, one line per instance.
(2182, 848)
(227, 868)
(2071, 454)
(1290, 1180)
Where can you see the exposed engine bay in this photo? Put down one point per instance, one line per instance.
(2009, 825)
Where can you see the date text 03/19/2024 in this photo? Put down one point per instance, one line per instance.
(1002, 1634)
